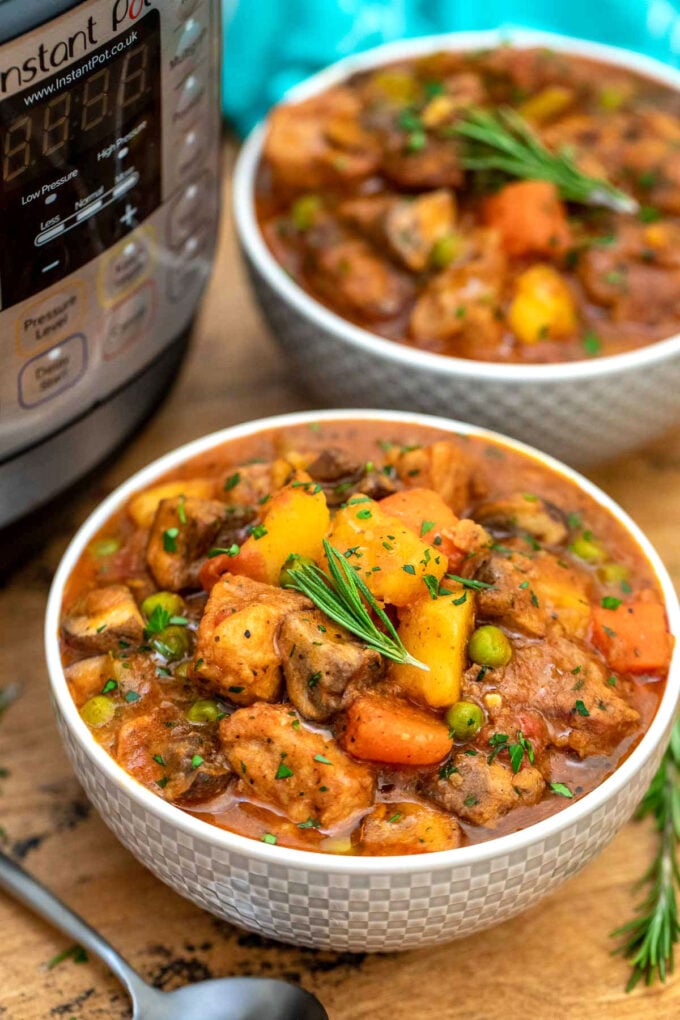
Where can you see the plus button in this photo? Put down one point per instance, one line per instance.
(128, 217)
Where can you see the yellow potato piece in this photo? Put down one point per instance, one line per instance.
(543, 307)
(390, 558)
(296, 522)
(142, 507)
(436, 632)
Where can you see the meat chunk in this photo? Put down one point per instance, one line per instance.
(480, 792)
(162, 751)
(87, 677)
(407, 828)
(320, 141)
(236, 652)
(443, 466)
(524, 512)
(320, 660)
(408, 227)
(182, 532)
(461, 302)
(561, 680)
(530, 592)
(352, 277)
(436, 165)
(302, 774)
(102, 618)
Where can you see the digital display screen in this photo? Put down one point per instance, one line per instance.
(81, 161)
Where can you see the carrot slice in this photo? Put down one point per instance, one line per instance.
(633, 638)
(530, 217)
(392, 731)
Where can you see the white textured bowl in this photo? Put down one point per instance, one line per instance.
(355, 903)
(582, 412)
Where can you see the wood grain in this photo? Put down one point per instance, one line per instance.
(553, 961)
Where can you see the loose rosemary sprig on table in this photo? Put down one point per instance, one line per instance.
(502, 140)
(345, 598)
(649, 938)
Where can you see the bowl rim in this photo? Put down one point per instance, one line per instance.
(309, 307)
(313, 861)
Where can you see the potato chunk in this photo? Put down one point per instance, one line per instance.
(388, 556)
(296, 521)
(408, 828)
(236, 652)
(102, 618)
(436, 631)
(142, 507)
(182, 532)
(302, 774)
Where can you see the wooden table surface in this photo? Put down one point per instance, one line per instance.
(553, 961)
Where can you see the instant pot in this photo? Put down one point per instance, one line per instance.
(109, 150)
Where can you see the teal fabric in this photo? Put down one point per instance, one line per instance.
(271, 45)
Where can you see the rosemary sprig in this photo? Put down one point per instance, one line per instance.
(503, 140)
(648, 939)
(343, 596)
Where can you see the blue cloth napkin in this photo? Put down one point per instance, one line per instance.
(271, 45)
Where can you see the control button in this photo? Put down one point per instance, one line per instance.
(193, 150)
(190, 94)
(191, 38)
(190, 208)
(130, 320)
(192, 266)
(126, 266)
(49, 374)
(49, 320)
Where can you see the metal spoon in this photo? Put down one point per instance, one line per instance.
(233, 998)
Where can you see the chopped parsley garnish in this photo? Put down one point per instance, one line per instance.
(311, 823)
(170, 539)
(468, 583)
(160, 759)
(196, 761)
(408, 568)
(580, 708)
(561, 789)
(259, 531)
(609, 602)
(592, 344)
(313, 679)
(269, 837)
(131, 697)
(447, 769)
(395, 817)
(501, 742)
(233, 550)
(324, 761)
(425, 527)
(283, 772)
(110, 685)
(181, 510)
(232, 481)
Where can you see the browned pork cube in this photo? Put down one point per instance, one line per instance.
(182, 532)
(103, 618)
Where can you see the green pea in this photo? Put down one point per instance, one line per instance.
(183, 670)
(168, 601)
(586, 548)
(489, 646)
(613, 573)
(446, 250)
(464, 719)
(173, 642)
(286, 577)
(205, 710)
(304, 210)
(98, 711)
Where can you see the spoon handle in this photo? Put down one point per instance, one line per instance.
(30, 892)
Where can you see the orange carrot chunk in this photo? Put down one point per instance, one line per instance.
(388, 730)
(633, 638)
(530, 217)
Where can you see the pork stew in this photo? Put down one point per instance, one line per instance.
(373, 200)
(365, 638)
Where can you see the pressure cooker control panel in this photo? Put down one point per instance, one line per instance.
(109, 138)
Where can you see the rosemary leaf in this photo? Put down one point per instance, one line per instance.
(345, 598)
(648, 939)
(502, 140)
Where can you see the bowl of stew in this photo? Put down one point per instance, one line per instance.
(375, 781)
(390, 259)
